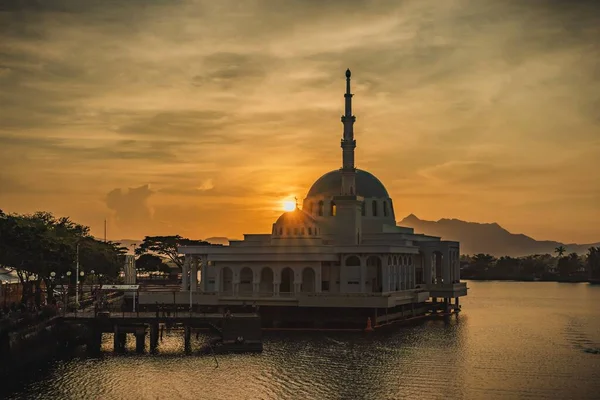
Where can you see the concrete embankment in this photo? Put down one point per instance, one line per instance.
(30, 345)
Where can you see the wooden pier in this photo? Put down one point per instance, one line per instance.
(239, 332)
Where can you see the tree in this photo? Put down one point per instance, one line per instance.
(151, 263)
(507, 266)
(106, 258)
(560, 250)
(37, 245)
(483, 261)
(569, 265)
(167, 246)
(593, 262)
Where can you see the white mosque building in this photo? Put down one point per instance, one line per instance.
(341, 258)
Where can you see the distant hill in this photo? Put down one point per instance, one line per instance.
(218, 240)
(488, 238)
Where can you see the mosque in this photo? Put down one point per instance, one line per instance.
(340, 259)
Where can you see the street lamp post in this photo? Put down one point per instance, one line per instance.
(81, 274)
(77, 279)
(66, 292)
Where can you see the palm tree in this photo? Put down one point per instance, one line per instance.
(560, 250)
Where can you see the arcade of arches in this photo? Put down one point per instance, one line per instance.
(358, 274)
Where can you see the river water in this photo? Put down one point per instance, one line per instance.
(513, 340)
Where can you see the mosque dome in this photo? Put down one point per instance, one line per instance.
(295, 223)
(367, 185)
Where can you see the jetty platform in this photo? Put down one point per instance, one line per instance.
(239, 332)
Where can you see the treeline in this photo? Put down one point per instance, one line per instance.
(569, 267)
(43, 251)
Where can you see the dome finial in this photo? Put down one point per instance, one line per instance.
(348, 73)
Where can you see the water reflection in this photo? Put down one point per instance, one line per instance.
(508, 343)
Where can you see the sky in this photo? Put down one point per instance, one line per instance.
(200, 118)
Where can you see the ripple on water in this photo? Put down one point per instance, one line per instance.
(512, 348)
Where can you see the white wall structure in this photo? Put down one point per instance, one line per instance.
(342, 249)
(129, 269)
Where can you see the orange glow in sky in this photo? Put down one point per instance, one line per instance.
(200, 119)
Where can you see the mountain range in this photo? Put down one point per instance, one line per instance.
(488, 238)
(474, 238)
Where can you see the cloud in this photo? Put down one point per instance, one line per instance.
(130, 207)
(219, 104)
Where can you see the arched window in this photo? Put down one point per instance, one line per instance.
(353, 261)
(288, 232)
(333, 209)
(309, 231)
(295, 231)
(302, 231)
(374, 205)
(363, 209)
(321, 208)
(385, 209)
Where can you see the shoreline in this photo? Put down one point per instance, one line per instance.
(512, 279)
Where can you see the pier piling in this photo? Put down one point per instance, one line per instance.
(187, 339)
(140, 342)
(153, 337)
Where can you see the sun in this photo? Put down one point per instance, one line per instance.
(289, 205)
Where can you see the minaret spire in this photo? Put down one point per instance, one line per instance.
(348, 143)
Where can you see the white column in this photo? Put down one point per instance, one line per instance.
(318, 279)
(297, 282)
(363, 275)
(457, 275)
(343, 277)
(203, 273)
(446, 266)
(184, 272)
(427, 261)
(405, 274)
(218, 277)
(194, 274)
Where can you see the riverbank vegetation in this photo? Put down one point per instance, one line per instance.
(559, 267)
(43, 250)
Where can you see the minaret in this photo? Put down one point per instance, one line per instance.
(348, 219)
(348, 143)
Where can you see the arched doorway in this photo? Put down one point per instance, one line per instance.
(287, 281)
(308, 280)
(246, 281)
(374, 276)
(227, 280)
(266, 281)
